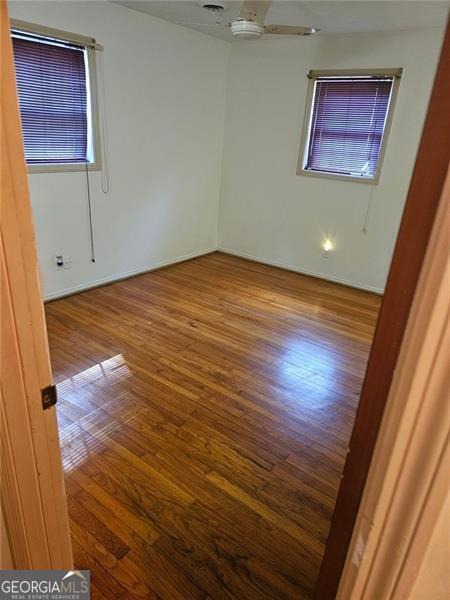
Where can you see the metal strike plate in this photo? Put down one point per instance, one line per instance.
(49, 396)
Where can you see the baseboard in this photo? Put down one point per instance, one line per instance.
(274, 263)
(126, 275)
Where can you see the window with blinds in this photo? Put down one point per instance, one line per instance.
(53, 87)
(347, 125)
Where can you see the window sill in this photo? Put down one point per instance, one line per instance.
(339, 177)
(63, 168)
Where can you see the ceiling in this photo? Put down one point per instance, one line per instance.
(350, 16)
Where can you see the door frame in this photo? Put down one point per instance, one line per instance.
(33, 500)
(407, 485)
(425, 191)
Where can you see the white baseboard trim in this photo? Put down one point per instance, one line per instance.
(126, 275)
(274, 263)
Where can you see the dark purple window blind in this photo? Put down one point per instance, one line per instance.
(51, 81)
(347, 125)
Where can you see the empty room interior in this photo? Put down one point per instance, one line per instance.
(216, 190)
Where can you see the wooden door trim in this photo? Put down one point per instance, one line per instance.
(15, 524)
(408, 480)
(34, 501)
(423, 198)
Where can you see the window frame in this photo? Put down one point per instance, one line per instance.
(90, 46)
(313, 75)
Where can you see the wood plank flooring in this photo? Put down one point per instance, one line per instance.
(205, 411)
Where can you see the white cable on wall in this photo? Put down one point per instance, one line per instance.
(368, 211)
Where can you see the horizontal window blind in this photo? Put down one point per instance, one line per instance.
(347, 125)
(51, 81)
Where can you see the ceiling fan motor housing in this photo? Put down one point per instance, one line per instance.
(213, 5)
(246, 30)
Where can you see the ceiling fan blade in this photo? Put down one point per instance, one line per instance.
(289, 30)
(227, 25)
(254, 10)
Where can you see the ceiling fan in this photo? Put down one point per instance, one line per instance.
(250, 23)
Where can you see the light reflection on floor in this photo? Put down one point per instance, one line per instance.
(76, 445)
(75, 448)
(111, 371)
(302, 359)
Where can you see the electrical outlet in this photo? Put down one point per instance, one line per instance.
(62, 262)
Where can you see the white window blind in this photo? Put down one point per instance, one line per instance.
(348, 119)
(52, 88)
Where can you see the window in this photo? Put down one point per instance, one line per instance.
(55, 80)
(347, 120)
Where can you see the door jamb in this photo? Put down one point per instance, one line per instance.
(408, 480)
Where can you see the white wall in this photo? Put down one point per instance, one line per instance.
(270, 213)
(165, 93)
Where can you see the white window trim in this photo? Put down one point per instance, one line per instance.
(91, 47)
(306, 131)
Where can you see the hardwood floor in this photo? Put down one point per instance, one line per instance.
(205, 411)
